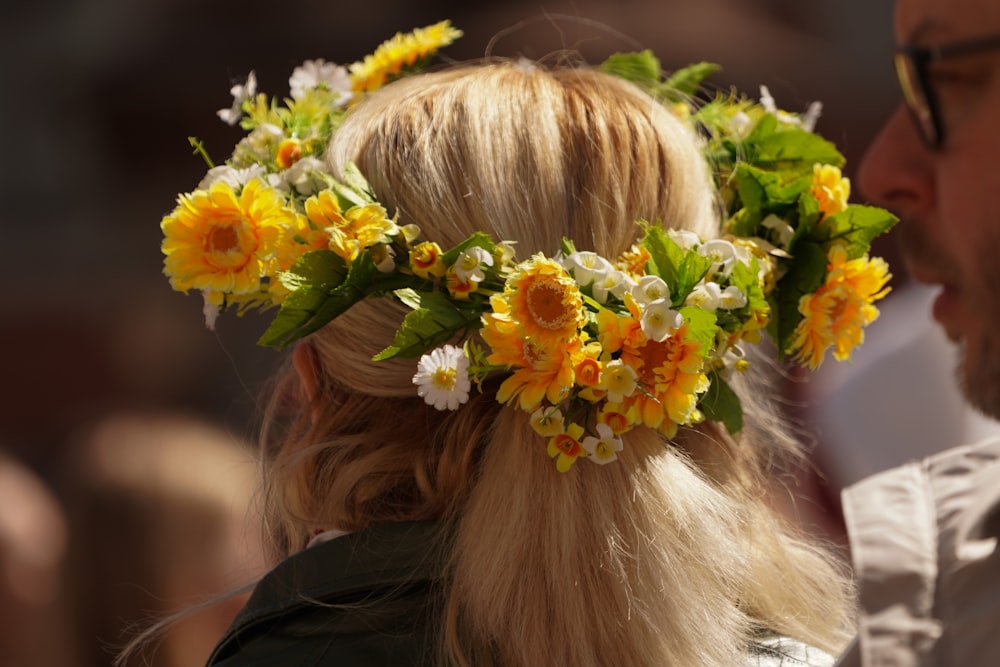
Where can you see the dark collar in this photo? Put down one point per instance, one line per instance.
(341, 569)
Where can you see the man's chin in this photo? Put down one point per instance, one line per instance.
(979, 379)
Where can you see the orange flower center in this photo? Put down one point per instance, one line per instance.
(222, 239)
(546, 305)
(568, 445)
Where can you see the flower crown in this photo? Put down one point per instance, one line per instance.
(589, 346)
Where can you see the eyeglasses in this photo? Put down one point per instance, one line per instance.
(911, 68)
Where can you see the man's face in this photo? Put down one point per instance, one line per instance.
(949, 198)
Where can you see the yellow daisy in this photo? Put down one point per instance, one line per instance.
(350, 231)
(671, 374)
(544, 301)
(836, 314)
(222, 242)
(399, 53)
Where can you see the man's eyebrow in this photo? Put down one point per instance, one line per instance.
(927, 28)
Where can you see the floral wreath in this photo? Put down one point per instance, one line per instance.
(589, 346)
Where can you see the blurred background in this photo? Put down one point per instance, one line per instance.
(100, 96)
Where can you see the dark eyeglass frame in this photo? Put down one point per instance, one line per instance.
(912, 63)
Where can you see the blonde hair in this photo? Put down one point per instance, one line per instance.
(669, 555)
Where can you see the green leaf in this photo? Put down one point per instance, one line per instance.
(720, 403)
(681, 269)
(859, 225)
(688, 80)
(353, 189)
(702, 327)
(480, 239)
(312, 305)
(320, 269)
(642, 68)
(780, 146)
(805, 275)
(434, 321)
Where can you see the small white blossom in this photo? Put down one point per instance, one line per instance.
(234, 178)
(469, 267)
(384, 257)
(706, 295)
(210, 311)
(442, 377)
(659, 320)
(807, 122)
(618, 379)
(721, 253)
(740, 124)
(307, 175)
(782, 232)
(547, 422)
(812, 116)
(684, 238)
(614, 282)
(605, 447)
(256, 147)
(650, 289)
(321, 74)
(241, 93)
(587, 267)
(732, 298)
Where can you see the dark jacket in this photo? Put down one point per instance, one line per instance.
(364, 599)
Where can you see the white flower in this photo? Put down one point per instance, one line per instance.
(782, 231)
(547, 422)
(587, 267)
(614, 281)
(234, 178)
(442, 377)
(807, 122)
(618, 379)
(210, 311)
(257, 146)
(812, 115)
(321, 74)
(684, 238)
(605, 447)
(740, 124)
(650, 289)
(306, 175)
(469, 267)
(659, 320)
(240, 93)
(706, 295)
(384, 257)
(721, 253)
(732, 298)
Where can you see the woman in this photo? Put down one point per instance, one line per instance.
(409, 535)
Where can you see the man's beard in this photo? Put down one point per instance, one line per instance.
(981, 384)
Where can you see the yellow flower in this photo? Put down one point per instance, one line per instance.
(544, 301)
(615, 417)
(350, 231)
(301, 238)
(224, 243)
(425, 260)
(837, 313)
(547, 422)
(401, 52)
(566, 447)
(671, 375)
(539, 372)
(830, 189)
(289, 152)
(458, 288)
(633, 261)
